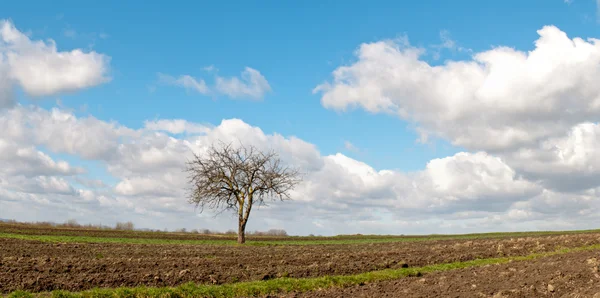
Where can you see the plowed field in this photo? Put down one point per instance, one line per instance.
(38, 266)
(569, 275)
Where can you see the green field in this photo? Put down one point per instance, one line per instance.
(78, 236)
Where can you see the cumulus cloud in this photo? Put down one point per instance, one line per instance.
(525, 119)
(566, 163)
(6, 86)
(40, 185)
(464, 191)
(90, 183)
(536, 110)
(29, 162)
(251, 84)
(32, 180)
(464, 181)
(500, 100)
(148, 164)
(176, 126)
(473, 179)
(150, 186)
(41, 70)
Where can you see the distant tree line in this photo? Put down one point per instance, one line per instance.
(72, 223)
(271, 232)
(129, 226)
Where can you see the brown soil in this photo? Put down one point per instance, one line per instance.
(40, 266)
(569, 275)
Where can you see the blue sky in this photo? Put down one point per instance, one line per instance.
(296, 46)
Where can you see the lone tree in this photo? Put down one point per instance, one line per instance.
(237, 178)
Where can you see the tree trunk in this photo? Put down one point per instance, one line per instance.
(241, 232)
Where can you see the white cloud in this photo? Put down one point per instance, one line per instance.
(525, 148)
(536, 110)
(464, 181)
(71, 33)
(475, 177)
(6, 86)
(63, 132)
(553, 203)
(40, 185)
(447, 43)
(186, 81)
(166, 186)
(29, 162)
(176, 126)
(41, 70)
(500, 100)
(350, 147)
(210, 68)
(252, 84)
(569, 162)
(90, 183)
(460, 192)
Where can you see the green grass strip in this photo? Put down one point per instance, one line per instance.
(291, 241)
(286, 285)
(88, 239)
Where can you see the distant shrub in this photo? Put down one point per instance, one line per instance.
(96, 227)
(277, 232)
(124, 226)
(45, 224)
(71, 223)
(230, 232)
(271, 232)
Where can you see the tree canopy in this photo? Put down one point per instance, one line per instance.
(236, 178)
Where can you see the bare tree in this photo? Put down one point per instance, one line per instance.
(237, 178)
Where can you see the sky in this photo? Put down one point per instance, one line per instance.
(407, 117)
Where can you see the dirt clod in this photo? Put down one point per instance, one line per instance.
(213, 279)
(183, 272)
